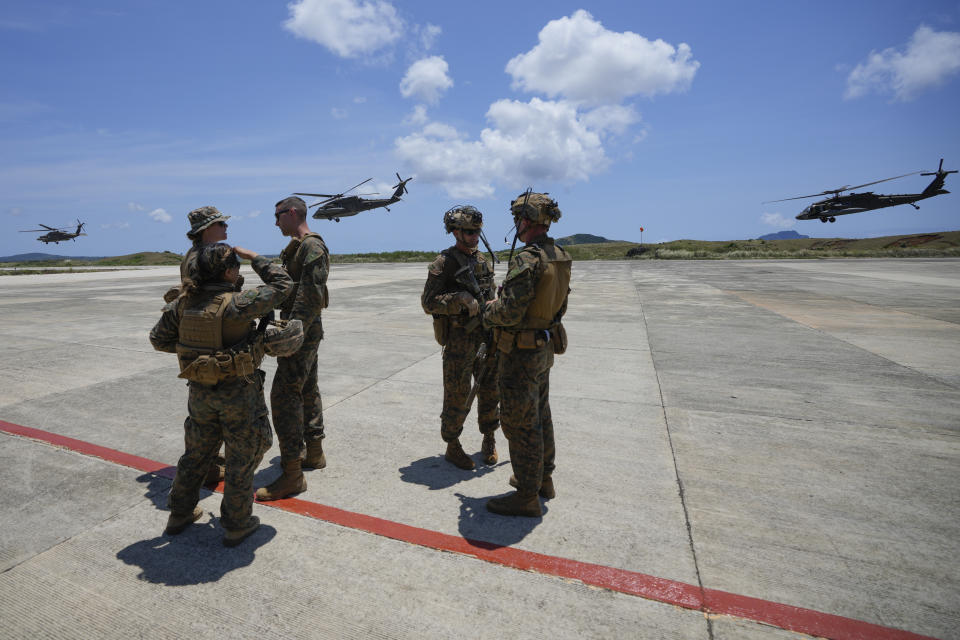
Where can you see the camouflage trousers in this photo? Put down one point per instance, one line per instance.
(233, 412)
(525, 415)
(295, 396)
(460, 367)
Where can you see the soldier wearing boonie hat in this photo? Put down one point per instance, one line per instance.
(207, 226)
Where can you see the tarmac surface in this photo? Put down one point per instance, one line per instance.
(746, 450)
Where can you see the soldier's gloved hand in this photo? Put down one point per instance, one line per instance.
(469, 303)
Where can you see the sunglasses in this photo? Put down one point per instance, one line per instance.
(470, 232)
(280, 213)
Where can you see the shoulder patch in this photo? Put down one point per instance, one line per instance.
(517, 270)
(436, 267)
(244, 298)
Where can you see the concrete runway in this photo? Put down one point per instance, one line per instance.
(754, 449)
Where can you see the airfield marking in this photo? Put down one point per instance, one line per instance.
(681, 594)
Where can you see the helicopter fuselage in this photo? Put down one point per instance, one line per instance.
(859, 202)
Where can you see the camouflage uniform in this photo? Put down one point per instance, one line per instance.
(525, 317)
(441, 299)
(295, 394)
(199, 219)
(232, 410)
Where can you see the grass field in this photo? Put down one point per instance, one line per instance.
(925, 245)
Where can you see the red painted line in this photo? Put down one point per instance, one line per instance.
(711, 601)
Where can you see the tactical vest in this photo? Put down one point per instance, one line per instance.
(292, 258)
(213, 348)
(551, 291)
(481, 270)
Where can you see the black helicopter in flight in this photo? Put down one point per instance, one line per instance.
(57, 236)
(338, 205)
(839, 205)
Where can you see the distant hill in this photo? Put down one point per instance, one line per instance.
(134, 259)
(581, 238)
(35, 257)
(789, 234)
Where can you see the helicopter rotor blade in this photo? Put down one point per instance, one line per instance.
(867, 184)
(835, 192)
(357, 185)
(317, 195)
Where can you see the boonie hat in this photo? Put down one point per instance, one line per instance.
(202, 218)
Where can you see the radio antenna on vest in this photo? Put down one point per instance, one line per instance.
(516, 234)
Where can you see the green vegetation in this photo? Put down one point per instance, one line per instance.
(389, 256)
(924, 245)
(927, 245)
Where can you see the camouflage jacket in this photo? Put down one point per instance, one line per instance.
(308, 263)
(520, 284)
(247, 305)
(441, 289)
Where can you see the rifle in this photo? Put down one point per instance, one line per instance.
(466, 277)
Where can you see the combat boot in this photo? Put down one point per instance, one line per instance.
(458, 457)
(177, 522)
(289, 483)
(547, 492)
(233, 537)
(516, 504)
(489, 448)
(315, 458)
(216, 472)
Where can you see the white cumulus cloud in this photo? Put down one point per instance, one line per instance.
(426, 79)
(528, 142)
(579, 59)
(777, 220)
(348, 28)
(133, 207)
(160, 215)
(338, 114)
(928, 60)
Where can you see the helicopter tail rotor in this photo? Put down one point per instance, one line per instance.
(401, 186)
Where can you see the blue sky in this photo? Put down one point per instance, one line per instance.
(679, 117)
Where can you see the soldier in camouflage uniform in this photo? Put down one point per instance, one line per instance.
(210, 328)
(295, 394)
(458, 328)
(207, 226)
(527, 330)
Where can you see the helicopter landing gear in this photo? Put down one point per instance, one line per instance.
(832, 219)
(337, 219)
(823, 219)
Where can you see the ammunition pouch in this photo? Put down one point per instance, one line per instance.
(441, 329)
(209, 367)
(524, 339)
(558, 338)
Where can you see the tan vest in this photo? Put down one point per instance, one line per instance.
(207, 339)
(292, 260)
(552, 288)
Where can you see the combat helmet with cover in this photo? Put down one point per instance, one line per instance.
(539, 208)
(284, 339)
(462, 216)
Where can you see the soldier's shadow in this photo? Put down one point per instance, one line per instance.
(436, 473)
(196, 556)
(158, 486)
(487, 530)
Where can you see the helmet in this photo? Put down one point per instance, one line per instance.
(284, 339)
(462, 216)
(539, 208)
